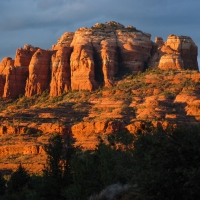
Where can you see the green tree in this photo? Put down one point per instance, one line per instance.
(166, 164)
(57, 174)
(18, 180)
(52, 174)
(68, 153)
(97, 169)
(2, 185)
(54, 150)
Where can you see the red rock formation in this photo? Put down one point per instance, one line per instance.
(65, 40)
(187, 49)
(171, 61)
(15, 72)
(22, 61)
(4, 64)
(135, 48)
(86, 132)
(7, 72)
(159, 41)
(106, 46)
(24, 55)
(82, 68)
(109, 61)
(179, 52)
(60, 71)
(12, 130)
(20, 149)
(91, 58)
(39, 73)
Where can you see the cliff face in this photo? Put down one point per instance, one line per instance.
(60, 71)
(178, 52)
(157, 97)
(39, 73)
(83, 61)
(104, 50)
(91, 58)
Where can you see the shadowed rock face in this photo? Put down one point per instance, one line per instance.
(90, 58)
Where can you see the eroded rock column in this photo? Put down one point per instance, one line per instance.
(39, 73)
(82, 68)
(60, 72)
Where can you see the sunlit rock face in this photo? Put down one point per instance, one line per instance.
(177, 53)
(60, 71)
(39, 73)
(187, 49)
(13, 73)
(90, 58)
(102, 51)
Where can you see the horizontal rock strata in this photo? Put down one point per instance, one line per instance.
(90, 58)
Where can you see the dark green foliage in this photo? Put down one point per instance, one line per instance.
(54, 169)
(54, 149)
(18, 180)
(69, 152)
(2, 185)
(154, 164)
(166, 166)
(57, 173)
(95, 170)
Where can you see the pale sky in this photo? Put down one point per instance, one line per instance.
(41, 22)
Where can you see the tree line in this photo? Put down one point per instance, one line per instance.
(152, 164)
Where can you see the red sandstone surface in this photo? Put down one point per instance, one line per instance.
(76, 88)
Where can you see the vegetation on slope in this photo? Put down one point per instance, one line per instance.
(153, 164)
(129, 92)
(155, 96)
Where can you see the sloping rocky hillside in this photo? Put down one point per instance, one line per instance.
(94, 82)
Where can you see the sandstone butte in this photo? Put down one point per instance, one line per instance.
(59, 90)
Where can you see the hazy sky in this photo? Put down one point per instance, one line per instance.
(41, 22)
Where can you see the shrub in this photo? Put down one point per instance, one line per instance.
(18, 180)
(166, 165)
(2, 185)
